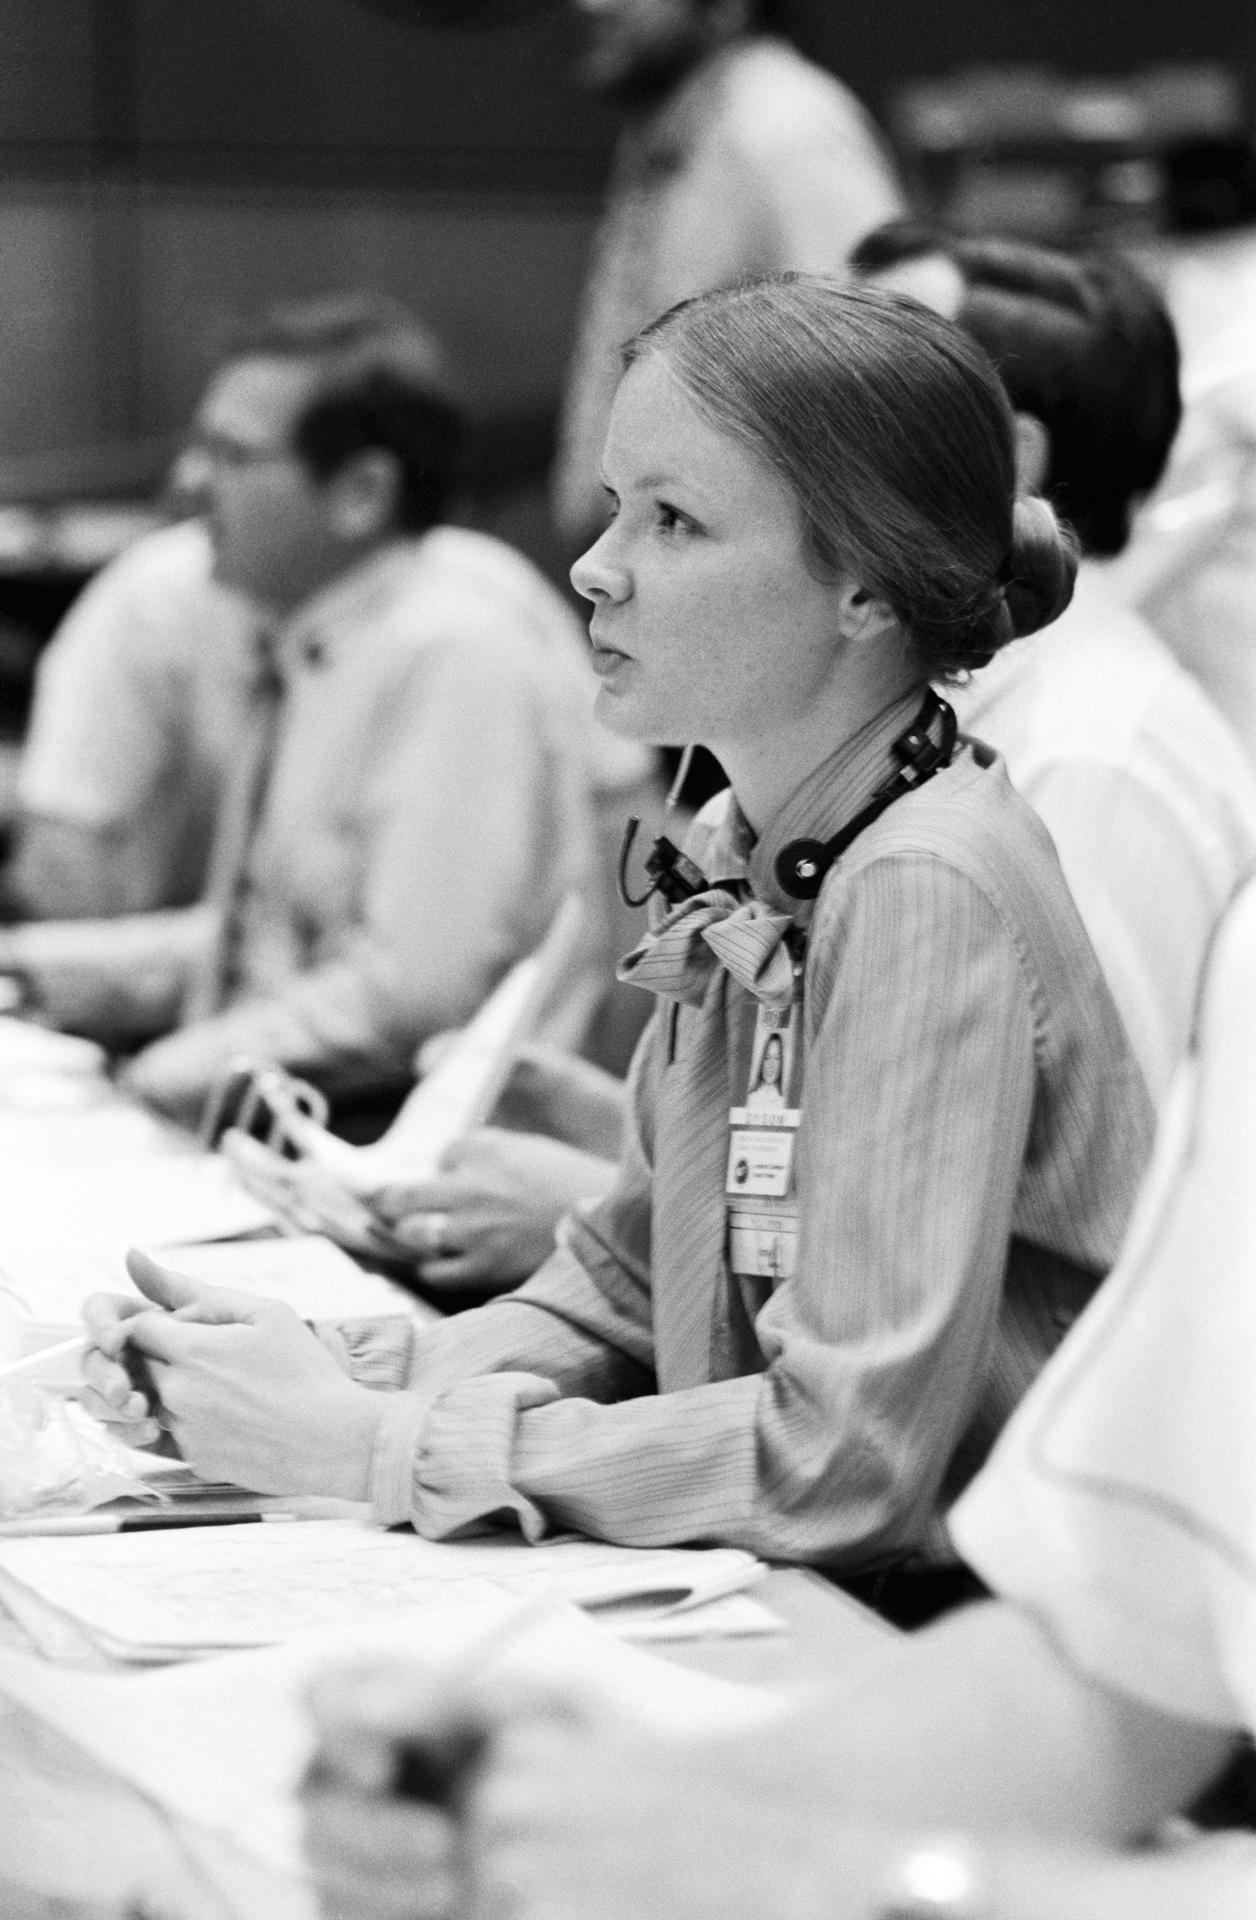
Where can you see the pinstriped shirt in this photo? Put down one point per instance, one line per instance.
(973, 1131)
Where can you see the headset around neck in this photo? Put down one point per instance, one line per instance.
(802, 865)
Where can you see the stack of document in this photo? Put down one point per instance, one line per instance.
(176, 1593)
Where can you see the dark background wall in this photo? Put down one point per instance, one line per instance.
(164, 161)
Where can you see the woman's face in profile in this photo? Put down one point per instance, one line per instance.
(707, 622)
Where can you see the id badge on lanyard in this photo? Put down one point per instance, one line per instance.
(762, 1135)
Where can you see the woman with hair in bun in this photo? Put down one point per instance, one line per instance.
(794, 1331)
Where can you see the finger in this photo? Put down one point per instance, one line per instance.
(112, 1387)
(140, 1429)
(105, 1315)
(263, 1173)
(162, 1285)
(465, 1147)
(251, 1155)
(434, 1050)
(161, 1337)
(260, 1168)
(199, 1302)
(404, 1198)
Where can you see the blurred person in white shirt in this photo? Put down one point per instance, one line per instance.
(738, 157)
(409, 795)
(1142, 784)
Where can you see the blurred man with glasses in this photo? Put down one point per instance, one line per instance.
(405, 795)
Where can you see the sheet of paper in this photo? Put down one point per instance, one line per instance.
(146, 1595)
(252, 1740)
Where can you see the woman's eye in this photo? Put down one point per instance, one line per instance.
(671, 519)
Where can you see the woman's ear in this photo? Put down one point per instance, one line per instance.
(1033, 453)
(863, 616)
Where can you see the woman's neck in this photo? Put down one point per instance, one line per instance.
(766, 770)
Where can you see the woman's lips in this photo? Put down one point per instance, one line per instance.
(604, 660)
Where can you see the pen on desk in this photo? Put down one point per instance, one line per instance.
(45, 1525)
(34, 1362)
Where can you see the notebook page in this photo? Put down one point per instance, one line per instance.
(148, 1594)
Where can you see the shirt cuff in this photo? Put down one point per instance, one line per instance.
(392, 1458)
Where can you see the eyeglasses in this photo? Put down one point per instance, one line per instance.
(220, 450)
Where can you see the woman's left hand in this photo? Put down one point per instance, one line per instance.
(248, 1392)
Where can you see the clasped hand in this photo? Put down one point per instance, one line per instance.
(243, 1387)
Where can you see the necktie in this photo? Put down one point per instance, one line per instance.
(216, 981)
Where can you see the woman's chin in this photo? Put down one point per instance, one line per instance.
(616, 710)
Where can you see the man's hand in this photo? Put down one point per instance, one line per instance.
(569, 1812)
(371, 1853)
(175, 1074)
(246, 1391)
(612, 1820)
(489, 1216)
(304, 1195)
(389, 1795)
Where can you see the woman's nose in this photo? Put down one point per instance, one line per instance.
(600, 574)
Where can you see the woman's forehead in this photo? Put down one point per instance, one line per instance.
(660, 436)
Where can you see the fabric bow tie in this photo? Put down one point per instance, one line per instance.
(713, 929)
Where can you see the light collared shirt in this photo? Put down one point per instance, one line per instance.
(140, 697)
(1120, 1504)
(973, 1130)
(1191, 563)
(1146, 793)
(759, 162)
(427, 809)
